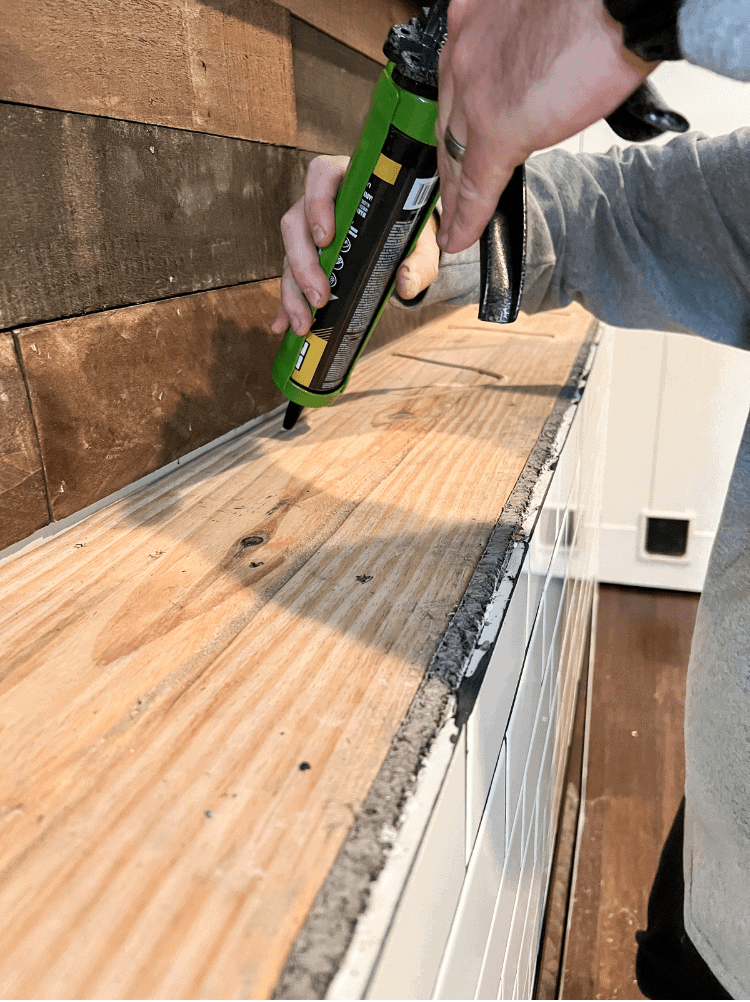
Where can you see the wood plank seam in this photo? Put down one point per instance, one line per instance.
(22, 367)
(23, 505)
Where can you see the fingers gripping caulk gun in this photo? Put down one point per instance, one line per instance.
(388, 194)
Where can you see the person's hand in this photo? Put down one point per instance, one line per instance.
(517, 76)
(310, 224)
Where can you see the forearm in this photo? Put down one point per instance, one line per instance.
(651, 237)
(648, 237)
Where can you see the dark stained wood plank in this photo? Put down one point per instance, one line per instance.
(100, 213)
(361, 24)
(121, 393)
(222, 66)
(23, 502)
(634, 785)
(333, 86)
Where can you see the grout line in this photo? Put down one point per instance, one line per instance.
(659, 407)
(584, 783)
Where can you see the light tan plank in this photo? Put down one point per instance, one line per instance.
(160, 668)
(361, 24)
(220, 66)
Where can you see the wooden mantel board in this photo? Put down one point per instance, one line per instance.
(174, 663)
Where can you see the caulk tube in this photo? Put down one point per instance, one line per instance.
(388, 194)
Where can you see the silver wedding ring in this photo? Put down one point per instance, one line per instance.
(454, 149)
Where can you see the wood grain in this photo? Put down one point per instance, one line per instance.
(363, 25)
(175, 658)
(635, 781)
(119, 394)
(333, 87)
(223, 67)
(99, 213)
(23, 502)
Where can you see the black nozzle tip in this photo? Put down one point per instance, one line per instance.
(291, 417)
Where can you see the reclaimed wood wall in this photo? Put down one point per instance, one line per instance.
(149, 151)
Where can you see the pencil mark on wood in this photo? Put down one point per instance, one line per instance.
(452, 365)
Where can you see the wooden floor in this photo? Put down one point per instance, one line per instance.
(200, 683)
(634, 783)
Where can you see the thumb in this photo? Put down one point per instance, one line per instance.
(420, 268)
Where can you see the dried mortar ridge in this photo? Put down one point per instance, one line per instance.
(460, 638)
(324, 938)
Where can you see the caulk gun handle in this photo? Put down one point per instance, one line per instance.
(645, 115)
(502, 254)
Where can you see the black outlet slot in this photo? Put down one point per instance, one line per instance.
(667, 537)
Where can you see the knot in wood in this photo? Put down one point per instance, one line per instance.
(255, 540)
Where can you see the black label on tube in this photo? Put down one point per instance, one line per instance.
(390, 210)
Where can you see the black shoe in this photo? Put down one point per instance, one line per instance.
(668, 965)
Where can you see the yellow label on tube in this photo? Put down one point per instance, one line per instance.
(387, 169)
(308, 358)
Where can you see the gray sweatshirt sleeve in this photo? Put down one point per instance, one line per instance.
(715, 34)
(643, 237)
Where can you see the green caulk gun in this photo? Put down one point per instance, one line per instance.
(388, 194)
